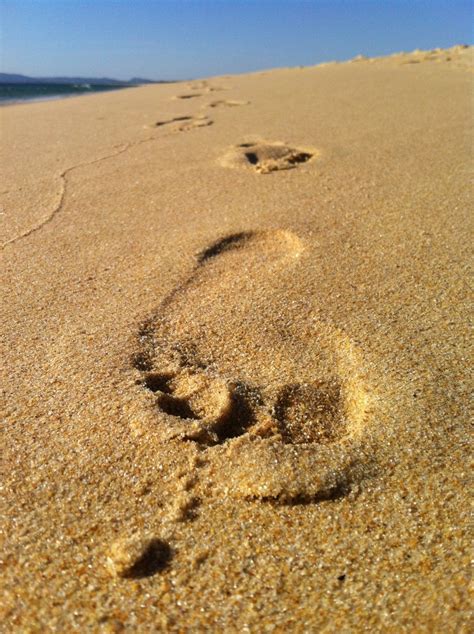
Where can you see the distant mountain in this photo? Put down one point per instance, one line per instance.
(11, 78)
(140, 80)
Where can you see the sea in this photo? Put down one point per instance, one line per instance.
(18, 93)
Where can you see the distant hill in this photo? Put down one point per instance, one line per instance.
(140, 80)
(11, 78)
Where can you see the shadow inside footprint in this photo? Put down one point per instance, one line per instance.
(156, 382)
(242, 414)
(224, 244)
(227, 103)
(155, 559)
(188, 96)
(224, 409)
(138, 557)
(173, 120)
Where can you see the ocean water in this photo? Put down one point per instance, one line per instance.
(16, 93)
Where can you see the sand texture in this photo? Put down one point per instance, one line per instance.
(235, 343)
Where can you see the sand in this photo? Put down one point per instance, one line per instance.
(235, 339)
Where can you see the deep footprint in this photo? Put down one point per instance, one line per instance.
(264, 157)
(278, 404)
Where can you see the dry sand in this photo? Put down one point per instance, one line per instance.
(235, 343)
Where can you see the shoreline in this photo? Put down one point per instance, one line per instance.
(15, 102)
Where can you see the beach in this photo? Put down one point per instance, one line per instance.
(235, 333)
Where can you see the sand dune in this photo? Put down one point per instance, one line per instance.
(236, 360)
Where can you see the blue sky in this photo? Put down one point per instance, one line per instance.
(173, 39)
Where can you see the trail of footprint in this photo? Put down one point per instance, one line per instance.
(265, 157)
(184, 123)
(188, 96)
(205, 87)
(227, 103)
(198, 85)
(278, 405)
(173, 120)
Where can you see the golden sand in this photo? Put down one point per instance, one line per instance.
(235, 341)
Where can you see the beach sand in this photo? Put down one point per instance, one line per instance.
(235, 340)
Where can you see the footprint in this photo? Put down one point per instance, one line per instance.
(198, 85)
(278, 403)
(205, 87)
(173, 120)
(215, 89)
(184, 123)
(196, 122)
(265, 157)
(227, 103)
(188, 96)
(138, 556)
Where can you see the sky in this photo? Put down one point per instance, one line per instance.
(183, 39)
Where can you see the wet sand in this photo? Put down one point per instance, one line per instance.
(235, 332)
